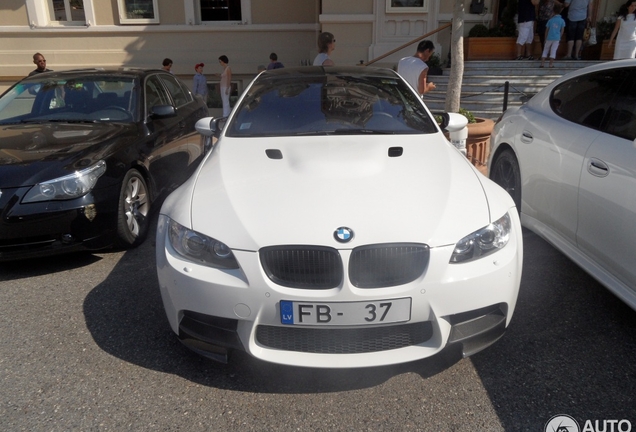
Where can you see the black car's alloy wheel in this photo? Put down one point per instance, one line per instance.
(134, 206)
(505, 172)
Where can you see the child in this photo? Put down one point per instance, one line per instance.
(553, 33)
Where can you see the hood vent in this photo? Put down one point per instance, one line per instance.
(395, 151)
(274, 154)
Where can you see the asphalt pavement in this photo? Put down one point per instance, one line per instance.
(86, 346)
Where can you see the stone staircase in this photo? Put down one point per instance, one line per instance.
(483, 83)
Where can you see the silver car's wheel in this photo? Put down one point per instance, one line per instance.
(505, 172)
(134, 206)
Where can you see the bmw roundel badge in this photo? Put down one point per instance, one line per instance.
(343, 234)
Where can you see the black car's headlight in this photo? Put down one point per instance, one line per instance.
(483, 242)
(200, 248)
(68, 187)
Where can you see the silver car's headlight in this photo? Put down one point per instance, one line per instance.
(200, 248)
(483, 242)
(68, 187)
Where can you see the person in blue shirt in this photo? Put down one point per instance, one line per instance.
(553, 33)
(274, 63)
(199, 83)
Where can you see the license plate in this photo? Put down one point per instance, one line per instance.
(345, 313)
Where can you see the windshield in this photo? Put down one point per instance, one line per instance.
(83, 99)
(326, 105)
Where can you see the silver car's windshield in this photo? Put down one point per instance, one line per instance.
(329, 105)
(86, 99)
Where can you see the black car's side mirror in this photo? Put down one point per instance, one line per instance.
(162, 111)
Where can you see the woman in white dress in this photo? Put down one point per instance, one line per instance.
(625, 32)
(226, 84)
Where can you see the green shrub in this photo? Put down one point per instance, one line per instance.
(468, 115)
(478, 30)
(434, 61)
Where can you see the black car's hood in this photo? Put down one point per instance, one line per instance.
(32, 153)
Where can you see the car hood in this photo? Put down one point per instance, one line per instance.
(247, 199)
(31, 153)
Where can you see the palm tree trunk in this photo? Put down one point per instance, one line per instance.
(457, 59)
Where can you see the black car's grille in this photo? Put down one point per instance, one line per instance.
(343, 341)
(303, 266)
(387, 265)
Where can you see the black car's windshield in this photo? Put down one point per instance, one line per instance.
(329, 105)
(83, 99)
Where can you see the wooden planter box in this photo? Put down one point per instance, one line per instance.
(504, 48)
(600, 51)
(607, 52)
(490, 48)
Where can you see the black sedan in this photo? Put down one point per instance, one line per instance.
(84, 154)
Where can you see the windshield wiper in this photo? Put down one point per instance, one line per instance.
(346, 132)
(26, 121)
(70, 121)
(361, 132)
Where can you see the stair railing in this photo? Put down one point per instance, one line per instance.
(445, 26)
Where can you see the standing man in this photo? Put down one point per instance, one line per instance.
(527, 13)
(414, 69)
(167, 65)
(274, 63)
(40, 62)
(579, 17)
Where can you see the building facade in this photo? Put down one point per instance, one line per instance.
(141, 33)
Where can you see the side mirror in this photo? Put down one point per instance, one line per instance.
(456, 122)
(442, 119)
(162, 111)
(210, 126)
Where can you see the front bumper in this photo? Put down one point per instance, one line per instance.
(214, 311)
(55, 227)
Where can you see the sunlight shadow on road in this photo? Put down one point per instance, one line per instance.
(126, 318)
(568, 350)
(22, 269)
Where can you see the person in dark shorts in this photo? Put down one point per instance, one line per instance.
(579, 16)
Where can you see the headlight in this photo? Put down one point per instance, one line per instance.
(200, 248)
(483, 242)
(68, 187)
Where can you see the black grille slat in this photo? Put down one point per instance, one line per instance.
(343, 341)
(387, 265)
(303, 266)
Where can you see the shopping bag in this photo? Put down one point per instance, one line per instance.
(592, 39)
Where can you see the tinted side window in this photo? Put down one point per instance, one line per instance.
(155, 94)
(176, 91)
(587, 99)
(621, 120)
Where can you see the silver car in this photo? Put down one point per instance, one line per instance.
(568, 158)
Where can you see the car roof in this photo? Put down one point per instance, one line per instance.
(317, 71)
(615, 64)
(610, 65)
(77, 73)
